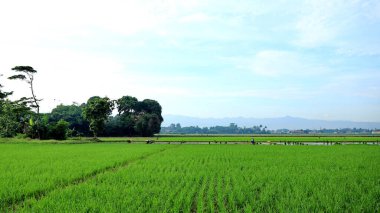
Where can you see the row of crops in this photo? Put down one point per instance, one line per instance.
(163, 178)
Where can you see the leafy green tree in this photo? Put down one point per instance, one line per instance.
(96, 112)
(148, 125)
(59, 130)
(126, 105)
(13, 115)
(151, 107)
(149, 118)
(120, 125)
(73, 115)
(9, 125)
(28, 76)
(141, 117)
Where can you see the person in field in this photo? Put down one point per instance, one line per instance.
(253, 141)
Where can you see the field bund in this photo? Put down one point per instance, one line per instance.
(122, 177)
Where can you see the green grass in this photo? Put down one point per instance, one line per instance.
(198, 178)
(31, 169)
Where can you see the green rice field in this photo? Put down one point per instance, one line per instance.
(122, 177)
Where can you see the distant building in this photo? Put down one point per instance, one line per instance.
(376, 132)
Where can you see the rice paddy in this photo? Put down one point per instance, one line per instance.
(122, 177)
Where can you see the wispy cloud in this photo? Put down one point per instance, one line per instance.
(349, 27)
(281, 64)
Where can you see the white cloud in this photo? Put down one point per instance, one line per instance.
(318, 24)
(278, 63)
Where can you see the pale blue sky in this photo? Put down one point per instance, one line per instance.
(312, 59)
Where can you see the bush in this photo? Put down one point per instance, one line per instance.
(59, 130)
(21, 136)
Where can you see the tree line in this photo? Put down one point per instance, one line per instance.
(22, 117)
(231, 129)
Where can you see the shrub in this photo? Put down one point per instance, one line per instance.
(59, 130)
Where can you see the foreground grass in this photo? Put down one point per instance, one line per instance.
(28, 170)
(224, 178)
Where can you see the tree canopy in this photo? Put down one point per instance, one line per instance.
(141, 118)
(96, 112)
(133, 118)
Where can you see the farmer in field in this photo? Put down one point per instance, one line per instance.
(253, 141)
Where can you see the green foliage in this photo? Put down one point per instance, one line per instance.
(3, 94)
(47, 130)
(13, 118)
(126, 105)
(73, 115)
(21, 136)
(120, 125)
(142, 118)
(134, 117)
(21, 77)
(34, 130)
(38, 128)
(8, 126)
(24, 69)
(59, 130)
(150, 106)
(96, 112)
(148, 124)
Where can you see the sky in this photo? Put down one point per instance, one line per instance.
(317, 59)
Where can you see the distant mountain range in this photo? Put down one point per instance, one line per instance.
(287, 122)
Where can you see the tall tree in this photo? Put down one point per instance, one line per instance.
(135, 117)
(149, 118)
(96, 112)
(28, 76)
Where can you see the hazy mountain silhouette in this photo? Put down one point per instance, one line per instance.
(287, 122)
